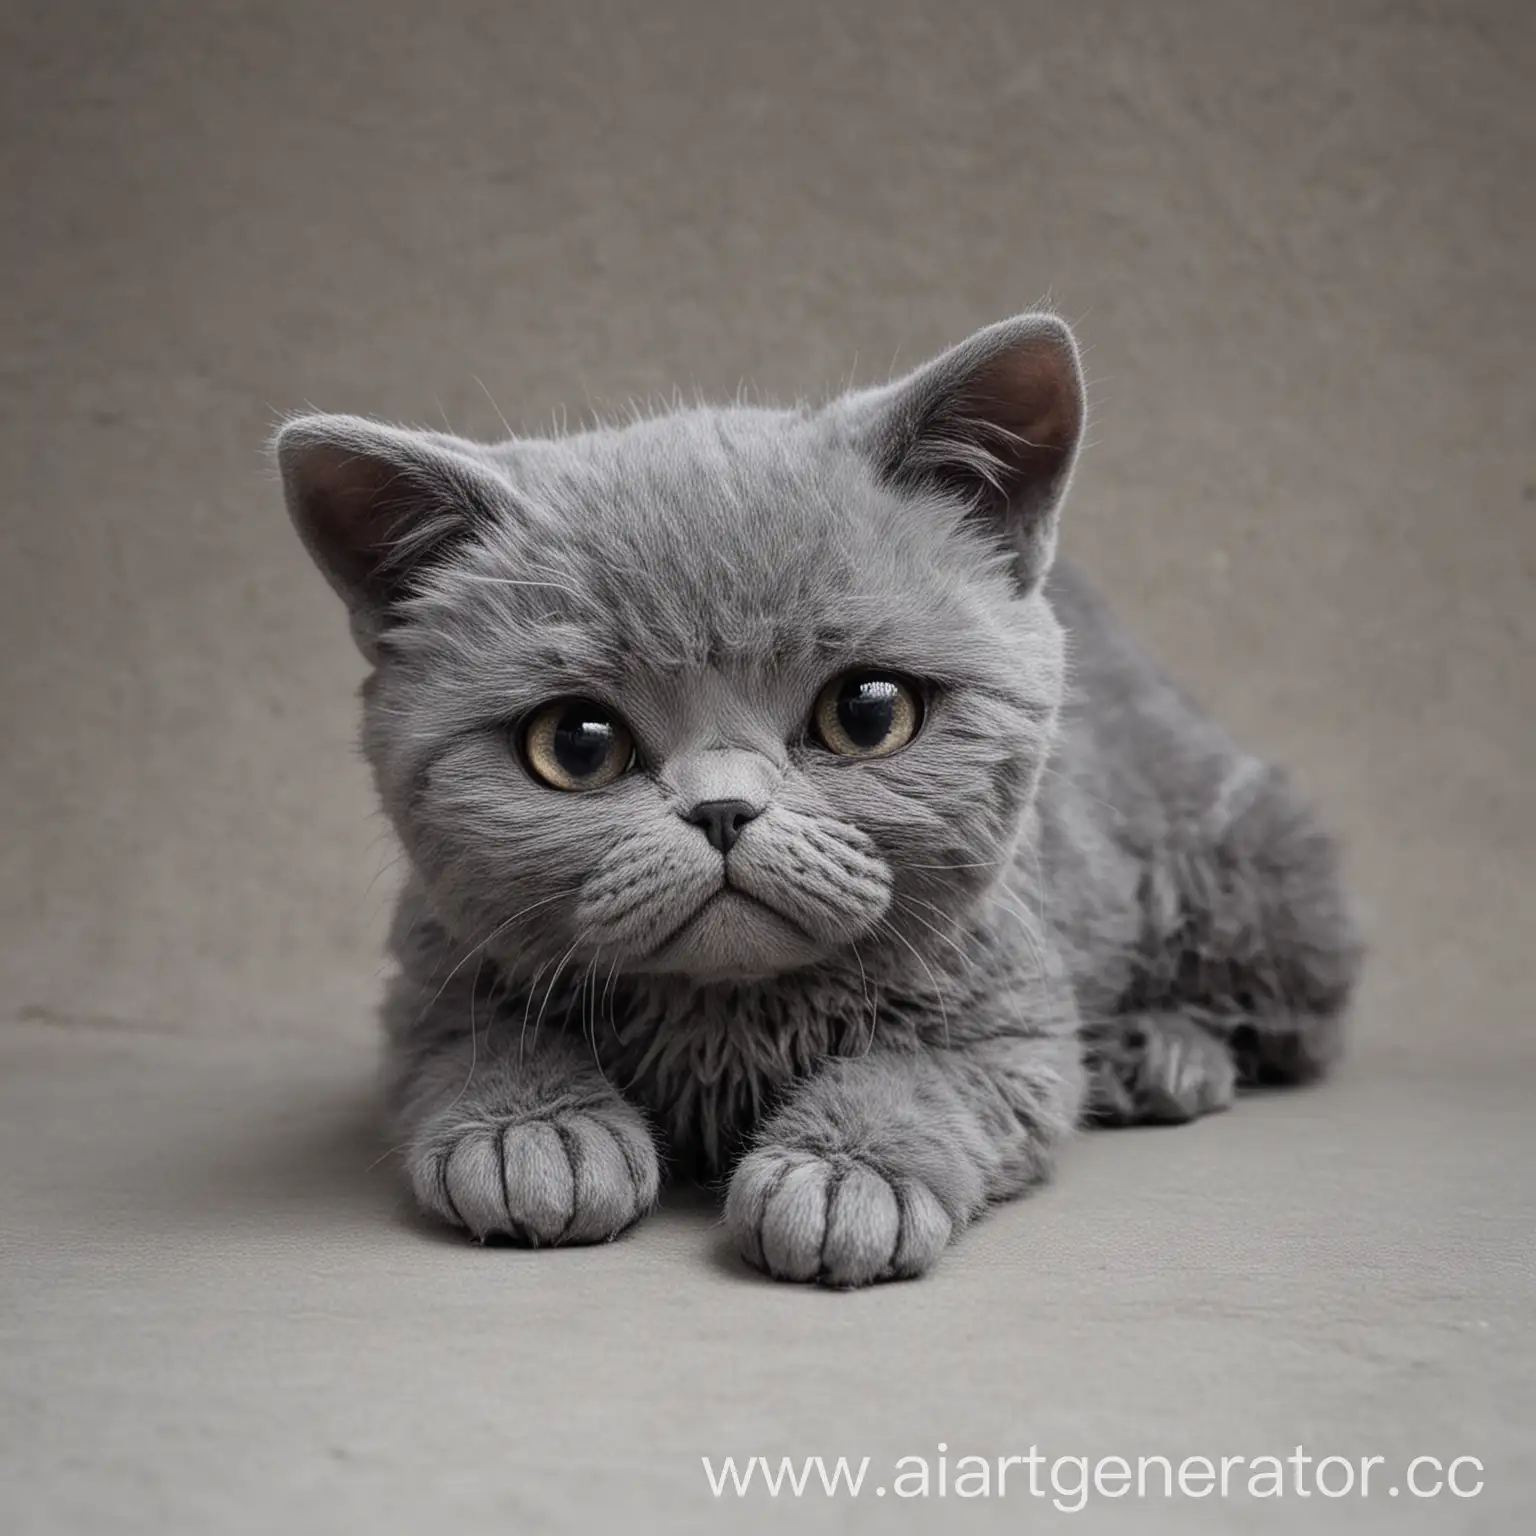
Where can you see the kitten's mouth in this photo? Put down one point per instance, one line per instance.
(734, 932)
(727, 896)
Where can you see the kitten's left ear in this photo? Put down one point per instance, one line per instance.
(376, 504)
(996, 420)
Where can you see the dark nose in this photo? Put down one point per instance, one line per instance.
(722, 820)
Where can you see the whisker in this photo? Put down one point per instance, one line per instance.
(979, 864)
(474, 1038)
(489, 396)
(938, 933)
(490, 938)
(1076, 784)
(607, 998)
(549, 990)
(869, 1043)
(589, 1020)
(533, 986)
(937, 991)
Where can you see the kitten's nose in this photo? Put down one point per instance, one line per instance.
(722, 820)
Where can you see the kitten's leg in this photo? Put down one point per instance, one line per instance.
(1246, 930)
(1264, 953)
(514, 1138)
(1155, 1069)
(1246, 962)
(875, 1162)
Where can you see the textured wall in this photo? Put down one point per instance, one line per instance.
(1300, 241)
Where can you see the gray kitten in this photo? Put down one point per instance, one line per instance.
(770, 800)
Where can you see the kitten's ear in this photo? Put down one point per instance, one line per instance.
(373, 503)
(996, 421)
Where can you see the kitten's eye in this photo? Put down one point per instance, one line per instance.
(867, 714)
(575, 744)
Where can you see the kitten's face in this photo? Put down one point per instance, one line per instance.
(708, 696)
(698, 583)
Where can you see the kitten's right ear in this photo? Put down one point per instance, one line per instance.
(995, 421)
(372, 503)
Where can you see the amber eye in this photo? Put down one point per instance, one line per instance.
(867, 714)
(575, 744)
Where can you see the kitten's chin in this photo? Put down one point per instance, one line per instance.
(734, 937)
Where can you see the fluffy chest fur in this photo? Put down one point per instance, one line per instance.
(709, 1063)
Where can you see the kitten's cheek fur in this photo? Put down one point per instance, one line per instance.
(644, 888)
(825, 876)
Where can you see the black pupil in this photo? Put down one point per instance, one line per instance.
(582, 742)
(866, 710)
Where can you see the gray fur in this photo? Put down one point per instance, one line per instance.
(1059, 902)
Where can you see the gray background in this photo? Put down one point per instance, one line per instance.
(1300, 244)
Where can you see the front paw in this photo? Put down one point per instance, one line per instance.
(571, 1176)
(837, 1220)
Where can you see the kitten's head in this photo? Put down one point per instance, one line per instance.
(723, 693)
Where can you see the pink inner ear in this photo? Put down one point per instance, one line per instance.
(344, 493)
(1029, 395)
(372, 502)
(338, 495)
(1000, 425)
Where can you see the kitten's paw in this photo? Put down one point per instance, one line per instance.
(573, 1176)
(1158, 1069)
(837, 1220)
